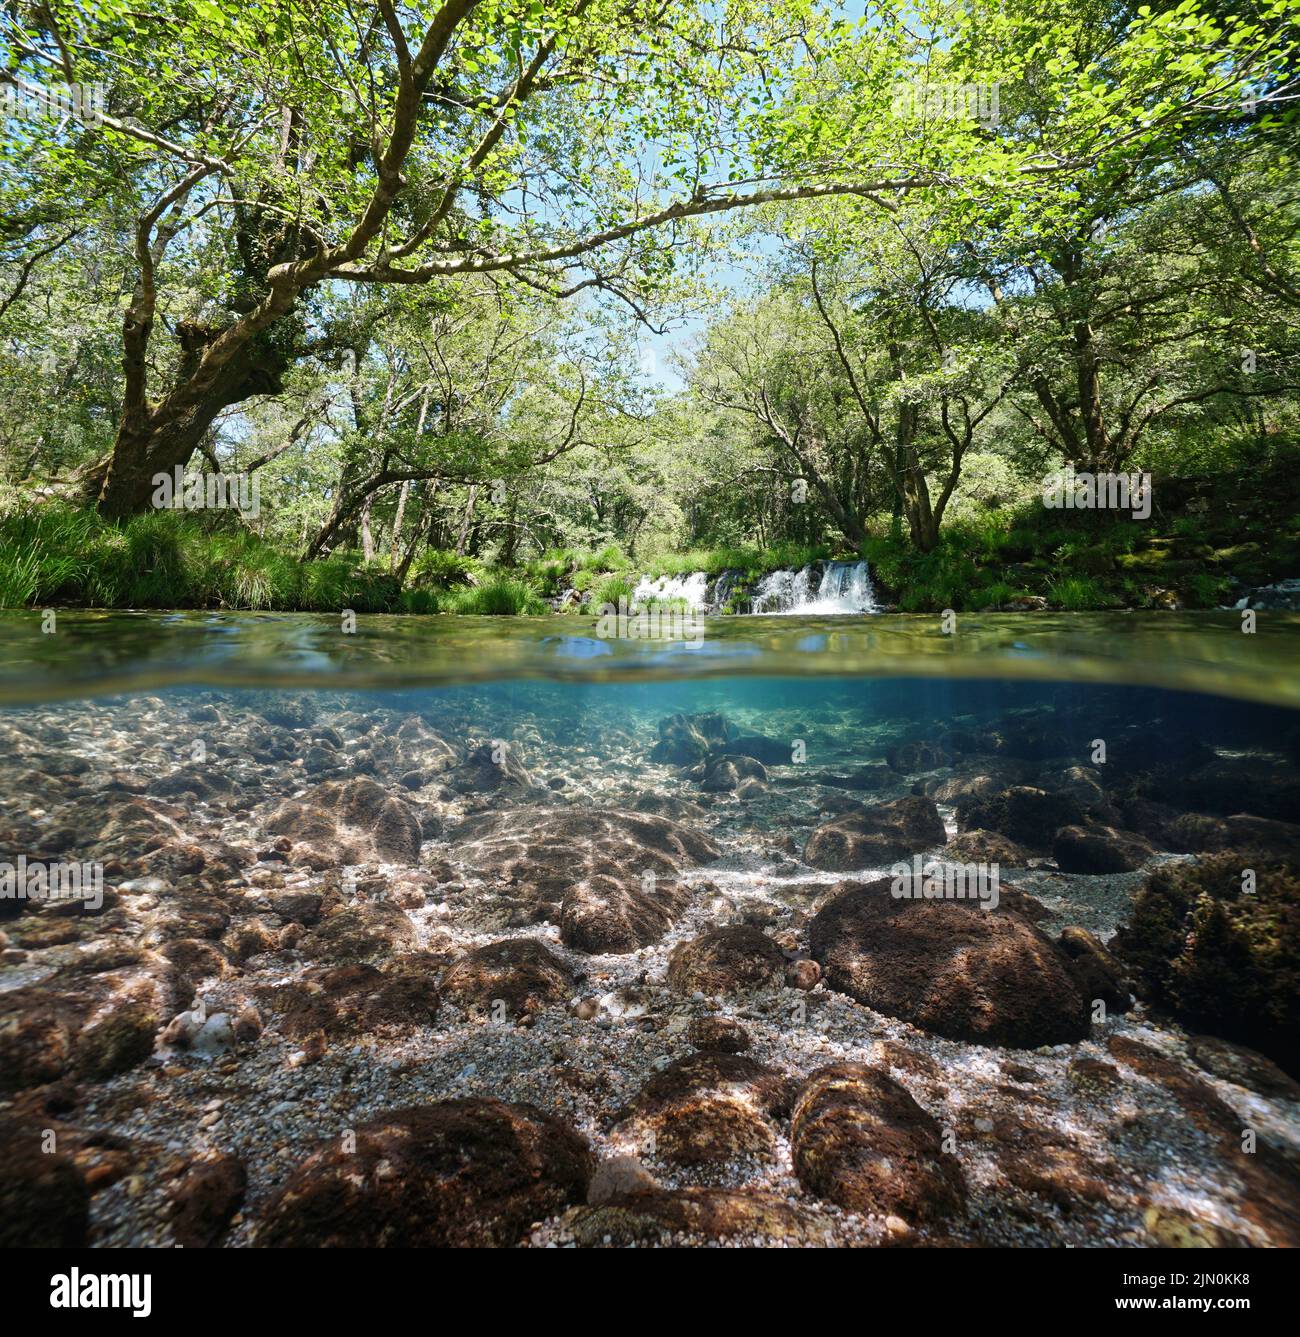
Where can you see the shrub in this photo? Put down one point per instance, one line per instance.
(442, 570)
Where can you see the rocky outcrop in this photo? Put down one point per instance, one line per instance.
(1028, 815)
(348, 822)
(707, 1108)
(1223, 959)
(1095, 848)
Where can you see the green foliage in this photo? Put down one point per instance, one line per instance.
(499, 595)
(441, 570)
(611, 589)
(751, 561)
(1076, 593)
(52, 554)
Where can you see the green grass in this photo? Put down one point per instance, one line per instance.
(611, 589)
(1077, 594)
(752, 562)
(54, 554)
(499, 595)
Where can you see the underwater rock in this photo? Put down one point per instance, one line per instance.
(803, 973)
(948, 966)
(95, 1023)
(355, 999)
(367, 931)
(1168, 1229)
(490, 768)
(735, 959)
(205, 1198)
(1258, 785)
(459, 1173)
(1200, 832)
(36, 1031)
(1243, 1067)
(991, 847)
(348, 822)
(858, 1139)
(720, 1034)
(712, 1213)
(874, 835)
(707, 1108)
(296, 907)
(1026, 814)
(1098, 972)
(918, 756)
(1099, 849)
(686, 739)
(127, 829)
(195, 962)
(289, 712)
(44, 1201)
(1220, 958)
(723, 772)
(612, 879)
(1270, 1175)
(115, 1042)
(619, 1176)
(418, 741)
(666, 805)
(521, 973)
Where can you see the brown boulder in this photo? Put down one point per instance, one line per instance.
(868, 836)
(611, 879)
(735, 959)
(521, 973)
(460, 1173)
(948, 966)
(1094, 848)
(1028, 815)
(986, 847)
(205, 1199)
(739, 1215)
(44, 1201)
(859, 1139)
(707, 1108)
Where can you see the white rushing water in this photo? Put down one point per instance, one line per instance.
(692, 589)
(819, 588)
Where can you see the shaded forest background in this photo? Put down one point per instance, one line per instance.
(498, 300)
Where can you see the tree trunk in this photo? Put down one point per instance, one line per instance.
(165, 435)
(470, 503)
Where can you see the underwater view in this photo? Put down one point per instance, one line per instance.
(537, 938)
(639, 626)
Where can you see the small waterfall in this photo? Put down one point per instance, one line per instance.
(721, 591)
(691, 589)
(819, 588)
